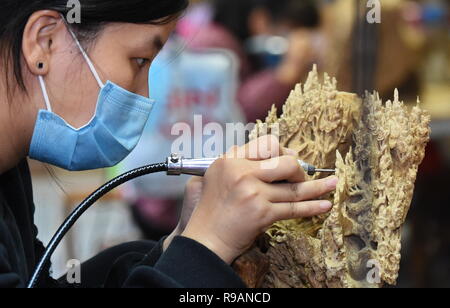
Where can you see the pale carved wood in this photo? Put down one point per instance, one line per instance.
(376, 149)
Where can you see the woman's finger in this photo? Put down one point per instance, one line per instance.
(287, 151)
(294, 210)
(277, 169)
(295, 192)
(264, 147)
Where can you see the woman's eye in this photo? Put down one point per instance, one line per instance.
(142, 61)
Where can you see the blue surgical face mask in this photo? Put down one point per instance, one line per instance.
(112, 133)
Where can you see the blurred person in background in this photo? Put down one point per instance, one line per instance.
(275, 41)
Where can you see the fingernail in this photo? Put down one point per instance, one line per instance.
(290, 152)
(332, 182)
(326, 205)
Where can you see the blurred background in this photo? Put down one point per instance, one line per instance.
(229, 61)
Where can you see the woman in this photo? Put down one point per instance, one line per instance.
(76, 96)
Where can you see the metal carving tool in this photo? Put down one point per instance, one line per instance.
(178, 165)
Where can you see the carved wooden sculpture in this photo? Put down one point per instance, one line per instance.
(376, 149)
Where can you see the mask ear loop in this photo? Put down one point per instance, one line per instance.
(44, 92)
(83, 52)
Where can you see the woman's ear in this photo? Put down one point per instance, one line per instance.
(40, 33)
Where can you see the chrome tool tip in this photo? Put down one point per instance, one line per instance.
(326, 170)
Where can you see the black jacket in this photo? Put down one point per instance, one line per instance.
(185, 263)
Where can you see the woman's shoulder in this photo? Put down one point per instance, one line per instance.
(18, 236)
(17, 181)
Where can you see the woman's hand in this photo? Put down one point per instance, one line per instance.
(194, 188)
(242, 196)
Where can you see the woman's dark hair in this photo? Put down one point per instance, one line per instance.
(14, 15)
(234, 14)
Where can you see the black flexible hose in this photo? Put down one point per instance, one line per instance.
(83, 207)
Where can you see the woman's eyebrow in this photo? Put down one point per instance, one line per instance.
(158, 43)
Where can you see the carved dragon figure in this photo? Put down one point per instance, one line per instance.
(376, 149)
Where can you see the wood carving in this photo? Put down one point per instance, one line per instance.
(376, 149)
